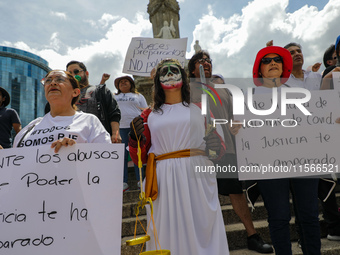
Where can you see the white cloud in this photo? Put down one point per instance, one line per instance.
(19, 45)
(105, 55)
(55, 42)
(234, 42)
(104, 21)
(60, 15)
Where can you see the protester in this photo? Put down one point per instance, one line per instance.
(131, 103)
(312, 68)
(97, 100)
(327, 82)
(271, 69)
(187, 211)
(330, 208)
(301, 78)
(326, 192)
(329, 57)
(105, 77)
(227, 184)
(62, 125)
(9, 119)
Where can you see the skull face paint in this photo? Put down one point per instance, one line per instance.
(170, 76)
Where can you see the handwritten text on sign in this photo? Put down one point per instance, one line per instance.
(267, 149)
(145, 53)
(65, 203)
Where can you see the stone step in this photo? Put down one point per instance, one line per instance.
(133, 195)
(327, 248)
(229, 216)
(235, 230)
(236, 234)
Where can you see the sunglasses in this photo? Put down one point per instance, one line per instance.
(267, 61)
(169, 69)
(76, 71)
(202, 60)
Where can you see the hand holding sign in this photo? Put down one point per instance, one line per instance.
(61, 203)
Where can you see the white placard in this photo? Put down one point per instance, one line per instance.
(64, 203)
(336, 81)
(145, 53)
(275, 150)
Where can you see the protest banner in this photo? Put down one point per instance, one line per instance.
(64, 203)
(291, 145)
(145, 53)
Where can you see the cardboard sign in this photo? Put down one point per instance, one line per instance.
(144, 54)
(293, 145)
(64, 203)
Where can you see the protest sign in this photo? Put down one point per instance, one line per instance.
(336, 81)
(291, 145)
(64, 203)
(145, 53)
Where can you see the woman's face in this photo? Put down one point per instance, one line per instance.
(271, 66)
(124, 85)
(58, 88)
(170, 76)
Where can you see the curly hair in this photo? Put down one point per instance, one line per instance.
(194, 58)
(158, 91)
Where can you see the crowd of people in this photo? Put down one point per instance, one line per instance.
(174, 137)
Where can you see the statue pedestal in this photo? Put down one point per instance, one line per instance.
(144, 86)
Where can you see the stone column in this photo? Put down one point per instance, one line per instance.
(159, 11)
(163, 10)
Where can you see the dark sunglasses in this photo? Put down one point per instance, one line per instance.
(267, 61)
(202, 60)
(76, 71)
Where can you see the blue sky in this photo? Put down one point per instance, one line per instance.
(233, 31)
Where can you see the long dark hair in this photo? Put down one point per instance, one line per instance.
(158, 92)
(194, 58)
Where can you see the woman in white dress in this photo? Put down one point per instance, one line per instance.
(187, 212)
(63, 125)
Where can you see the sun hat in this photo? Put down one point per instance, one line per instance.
(286, 59)
(117, 80)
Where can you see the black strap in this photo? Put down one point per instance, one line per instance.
(22, 138)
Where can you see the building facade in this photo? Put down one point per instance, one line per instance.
(20, 75)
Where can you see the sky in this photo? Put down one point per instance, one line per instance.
(98, 32)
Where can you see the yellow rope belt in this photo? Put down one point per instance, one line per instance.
(151, 187)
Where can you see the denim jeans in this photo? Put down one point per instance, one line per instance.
(124, 133)
(275, 194)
